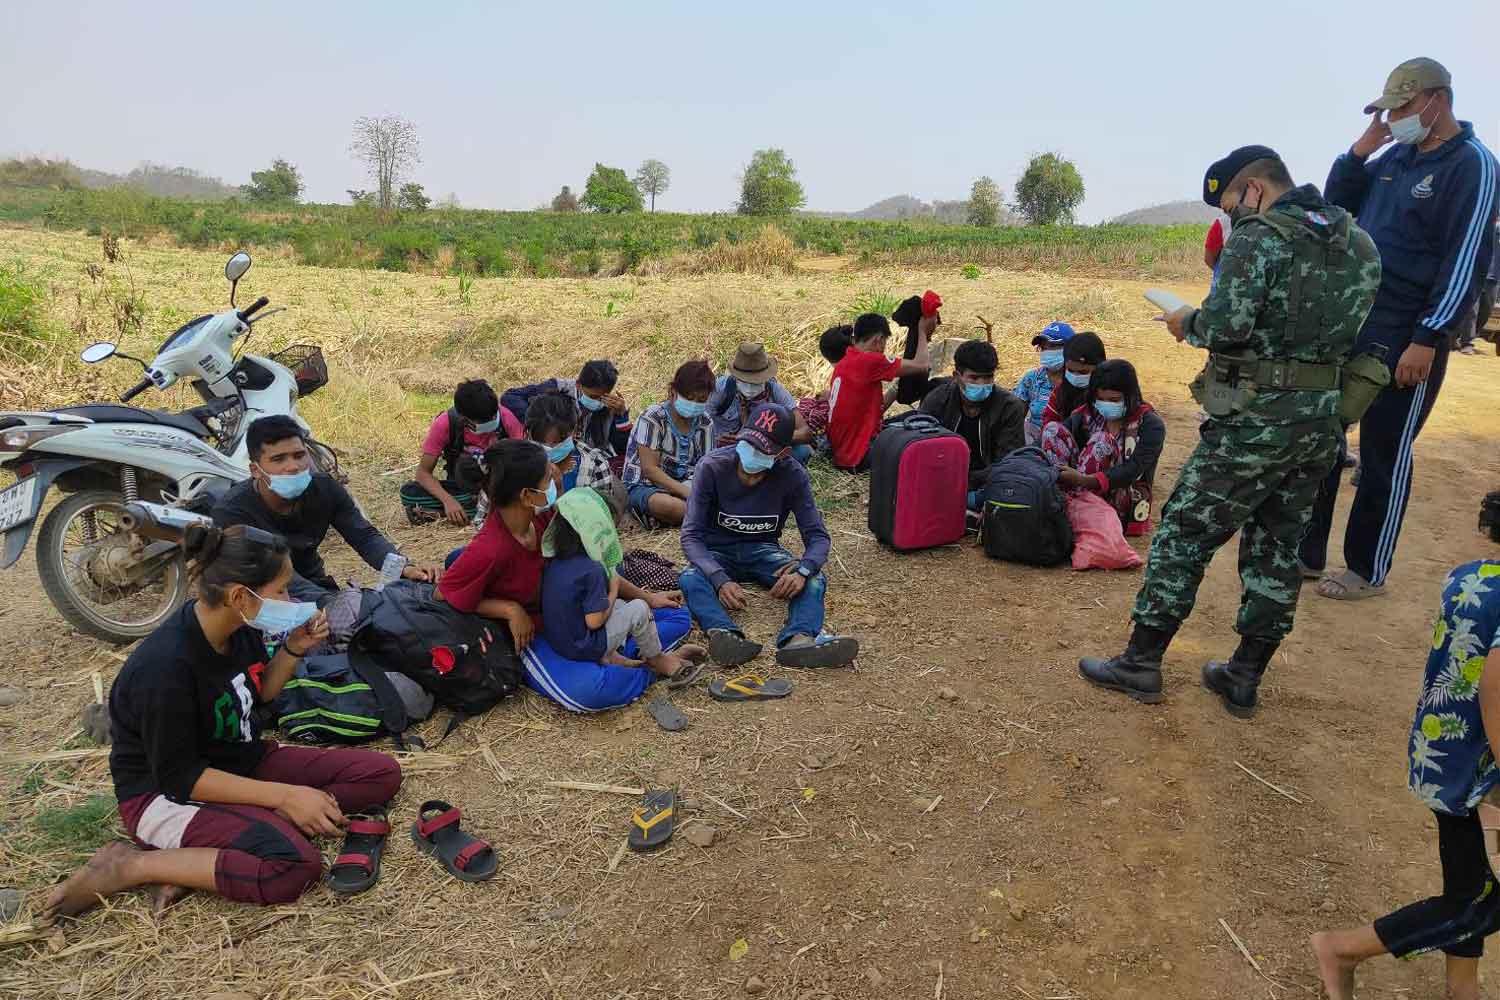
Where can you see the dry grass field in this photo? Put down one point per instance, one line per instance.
(1028, 837)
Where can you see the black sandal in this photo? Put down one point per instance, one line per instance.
(357, 866)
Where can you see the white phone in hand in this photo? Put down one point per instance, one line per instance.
(1164, 300)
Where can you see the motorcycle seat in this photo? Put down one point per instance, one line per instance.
(114, 413)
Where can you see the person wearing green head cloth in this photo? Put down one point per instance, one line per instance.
(588, 609)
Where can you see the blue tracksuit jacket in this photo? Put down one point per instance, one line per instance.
(1431, 216)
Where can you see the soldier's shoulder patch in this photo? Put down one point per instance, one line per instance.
(1318, 218)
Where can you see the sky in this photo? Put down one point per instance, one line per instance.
(868, 99)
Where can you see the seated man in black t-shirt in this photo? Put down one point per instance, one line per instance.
(991, 419)
(286, 497)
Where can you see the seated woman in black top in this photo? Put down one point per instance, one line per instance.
(186, 743)
(1110, 444)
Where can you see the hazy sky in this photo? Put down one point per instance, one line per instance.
(869, 100)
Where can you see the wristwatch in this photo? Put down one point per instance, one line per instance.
(804, 572)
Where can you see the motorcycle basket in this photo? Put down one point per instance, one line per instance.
(307, 366)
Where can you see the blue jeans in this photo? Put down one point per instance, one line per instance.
(802, 453)
(754, 562)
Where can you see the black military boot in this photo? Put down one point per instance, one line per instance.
(1137, 671)
(1237, 680)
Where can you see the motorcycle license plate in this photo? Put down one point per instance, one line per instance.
(16, 504)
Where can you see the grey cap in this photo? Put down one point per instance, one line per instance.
(1407, 81)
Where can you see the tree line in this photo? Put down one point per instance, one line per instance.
(390, 148)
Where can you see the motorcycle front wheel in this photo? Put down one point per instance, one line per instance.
(88, 569)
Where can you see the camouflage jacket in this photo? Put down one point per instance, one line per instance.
(1295, 282)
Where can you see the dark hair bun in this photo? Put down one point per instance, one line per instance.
(202, 542)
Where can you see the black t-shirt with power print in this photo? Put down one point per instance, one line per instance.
(180, 707)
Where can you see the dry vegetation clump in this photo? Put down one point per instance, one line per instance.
(769, 251)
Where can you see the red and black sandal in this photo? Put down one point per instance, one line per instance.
(357, 866)
(436, 832)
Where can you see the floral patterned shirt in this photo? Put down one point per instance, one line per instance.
(1451, 766)
(1034, 389)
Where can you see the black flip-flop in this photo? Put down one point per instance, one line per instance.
(825, 651)
(748, 687)
(357, 866)
(651, 824)
(666, 714)
(466, 858)
(730, 649)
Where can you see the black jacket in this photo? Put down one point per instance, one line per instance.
(1002, 424)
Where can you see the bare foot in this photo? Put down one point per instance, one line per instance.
(619, 660)
(1337, 973)
(163, 896)
(103, 875)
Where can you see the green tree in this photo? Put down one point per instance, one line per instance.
(653, 179)
(565, 200)
(281, 182)
(984, 203)
(1049, 190)
(609, 190)
(769, 185)
(412, 198)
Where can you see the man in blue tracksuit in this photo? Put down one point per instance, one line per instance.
(1429, 205)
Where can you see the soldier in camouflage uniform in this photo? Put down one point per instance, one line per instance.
(1296, 279)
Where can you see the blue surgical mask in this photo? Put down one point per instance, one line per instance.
(749, 389)
(290, 487)
(1052, 360)
(489, 426)
(977, 393)
(687, 409)
(1078, 380)
(560, 451)
(1110, 409)
(280, 617)
(590, 403)
(551, 497)
(751, 459)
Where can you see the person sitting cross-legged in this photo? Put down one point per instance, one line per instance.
(458, 438)
(741, 499)
(669, 439)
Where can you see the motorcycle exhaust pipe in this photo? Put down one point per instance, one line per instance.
(159, 522)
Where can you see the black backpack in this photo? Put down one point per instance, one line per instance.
(462, 468)
(1025, 514)
(464, 661)
(339, 698)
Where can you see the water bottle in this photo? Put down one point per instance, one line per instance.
(390, 570)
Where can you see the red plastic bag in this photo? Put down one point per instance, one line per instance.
(1098, 537)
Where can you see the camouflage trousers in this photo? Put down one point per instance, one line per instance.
(1259, 481)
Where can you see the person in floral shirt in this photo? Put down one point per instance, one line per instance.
(1036, 386)
(1451, 767)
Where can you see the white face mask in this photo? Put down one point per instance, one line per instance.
(1409, 131)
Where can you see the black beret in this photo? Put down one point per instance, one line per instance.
(1221, 173)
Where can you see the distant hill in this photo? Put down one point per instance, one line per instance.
(904, 206)
(152, 178)
(1170, 214)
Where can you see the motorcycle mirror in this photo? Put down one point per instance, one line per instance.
(237, 266)
(95, 353)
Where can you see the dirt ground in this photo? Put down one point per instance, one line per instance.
(1031, 838)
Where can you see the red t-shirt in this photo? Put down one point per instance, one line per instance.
(496, 565)
(854, 399)
(1214, 242)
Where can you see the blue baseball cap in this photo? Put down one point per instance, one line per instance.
(1054, 333)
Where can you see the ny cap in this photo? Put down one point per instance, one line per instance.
(1407, 81)
(1221, 173)
(769, 428)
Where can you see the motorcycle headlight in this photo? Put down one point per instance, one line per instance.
(21, 438)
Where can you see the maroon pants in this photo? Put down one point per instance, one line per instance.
(263, 857)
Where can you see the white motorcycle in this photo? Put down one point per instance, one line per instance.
(111, 572)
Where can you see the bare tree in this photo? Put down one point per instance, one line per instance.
(653, 179)
(389, 147)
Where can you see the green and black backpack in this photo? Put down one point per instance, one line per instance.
(344, 698)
